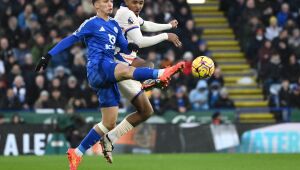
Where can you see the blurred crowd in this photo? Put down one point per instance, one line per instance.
(269, 34)
(29, 28)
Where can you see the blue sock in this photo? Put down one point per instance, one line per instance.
(90, 139)
(144, 73)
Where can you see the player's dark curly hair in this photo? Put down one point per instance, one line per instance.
(93, 1)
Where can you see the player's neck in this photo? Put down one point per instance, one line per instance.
(103, 16)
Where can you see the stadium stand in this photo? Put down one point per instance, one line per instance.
(219, 29)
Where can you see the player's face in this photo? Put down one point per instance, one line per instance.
(135, 5)
(105, 6)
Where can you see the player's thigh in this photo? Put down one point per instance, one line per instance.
(109, 99)
(143, 105)
(130, 89)
(123, 72)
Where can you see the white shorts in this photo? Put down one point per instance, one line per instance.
(130, 89)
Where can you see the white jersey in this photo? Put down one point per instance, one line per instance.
(127, 20)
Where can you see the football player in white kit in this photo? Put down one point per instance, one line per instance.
(129, 20)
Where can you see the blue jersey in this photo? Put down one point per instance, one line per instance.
(101, 37)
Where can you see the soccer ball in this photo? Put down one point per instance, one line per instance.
(203, 67)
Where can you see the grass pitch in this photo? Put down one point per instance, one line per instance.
(160, 162)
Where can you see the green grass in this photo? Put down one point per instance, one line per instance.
(160, 162)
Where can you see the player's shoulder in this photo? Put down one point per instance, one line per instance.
(89, 22)
(124, 12)
(113, 21)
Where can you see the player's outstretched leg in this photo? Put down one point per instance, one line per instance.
(123, 72)
(163, 80)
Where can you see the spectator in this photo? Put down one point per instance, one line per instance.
(199, 96)
(295, 97)
(158, 102)
(57, 100)
(271, 73)
(254, 45)
(273, 30)
(216, 118)
(61, 74)
(217, 77)
(93, 102)
(39, 86)
(281, 45)
(285, 94)
(16, 119)
(72, 89)
(77, 103)
(294, 41)
(21, 52)
(13, 32)
(40, 47)
(188, 57)
(283, 15)
(10, 102)
(202, 49)
(78, 68)
(5, 49)
(292, 70)
(224, 101)
(214, 93)
(25, 16)
(180, 101)
(20, 90)
(43, 101)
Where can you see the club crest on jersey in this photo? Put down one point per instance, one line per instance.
(116, 30)
(130, 20)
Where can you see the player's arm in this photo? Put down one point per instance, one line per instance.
(125, 47)
(61, 46)
(67, 42)
(149, 26)
(147, 41)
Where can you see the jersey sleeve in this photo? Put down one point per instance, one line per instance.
(122, 43)
(85, 29)
(127, 20)
(63, 44)
(141, 21)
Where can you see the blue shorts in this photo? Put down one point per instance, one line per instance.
(101, 78)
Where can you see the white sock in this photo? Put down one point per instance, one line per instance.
(120, 130)
(78, 152)
(160, 72)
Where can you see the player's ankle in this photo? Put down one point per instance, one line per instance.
(78, 152)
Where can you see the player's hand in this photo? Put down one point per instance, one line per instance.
(174, 39)
(174, 23)
(43, 63)
(133, 47)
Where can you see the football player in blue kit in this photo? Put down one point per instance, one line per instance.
(102, 35)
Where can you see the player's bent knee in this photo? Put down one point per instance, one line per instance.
(123, 72)
(109, 125)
